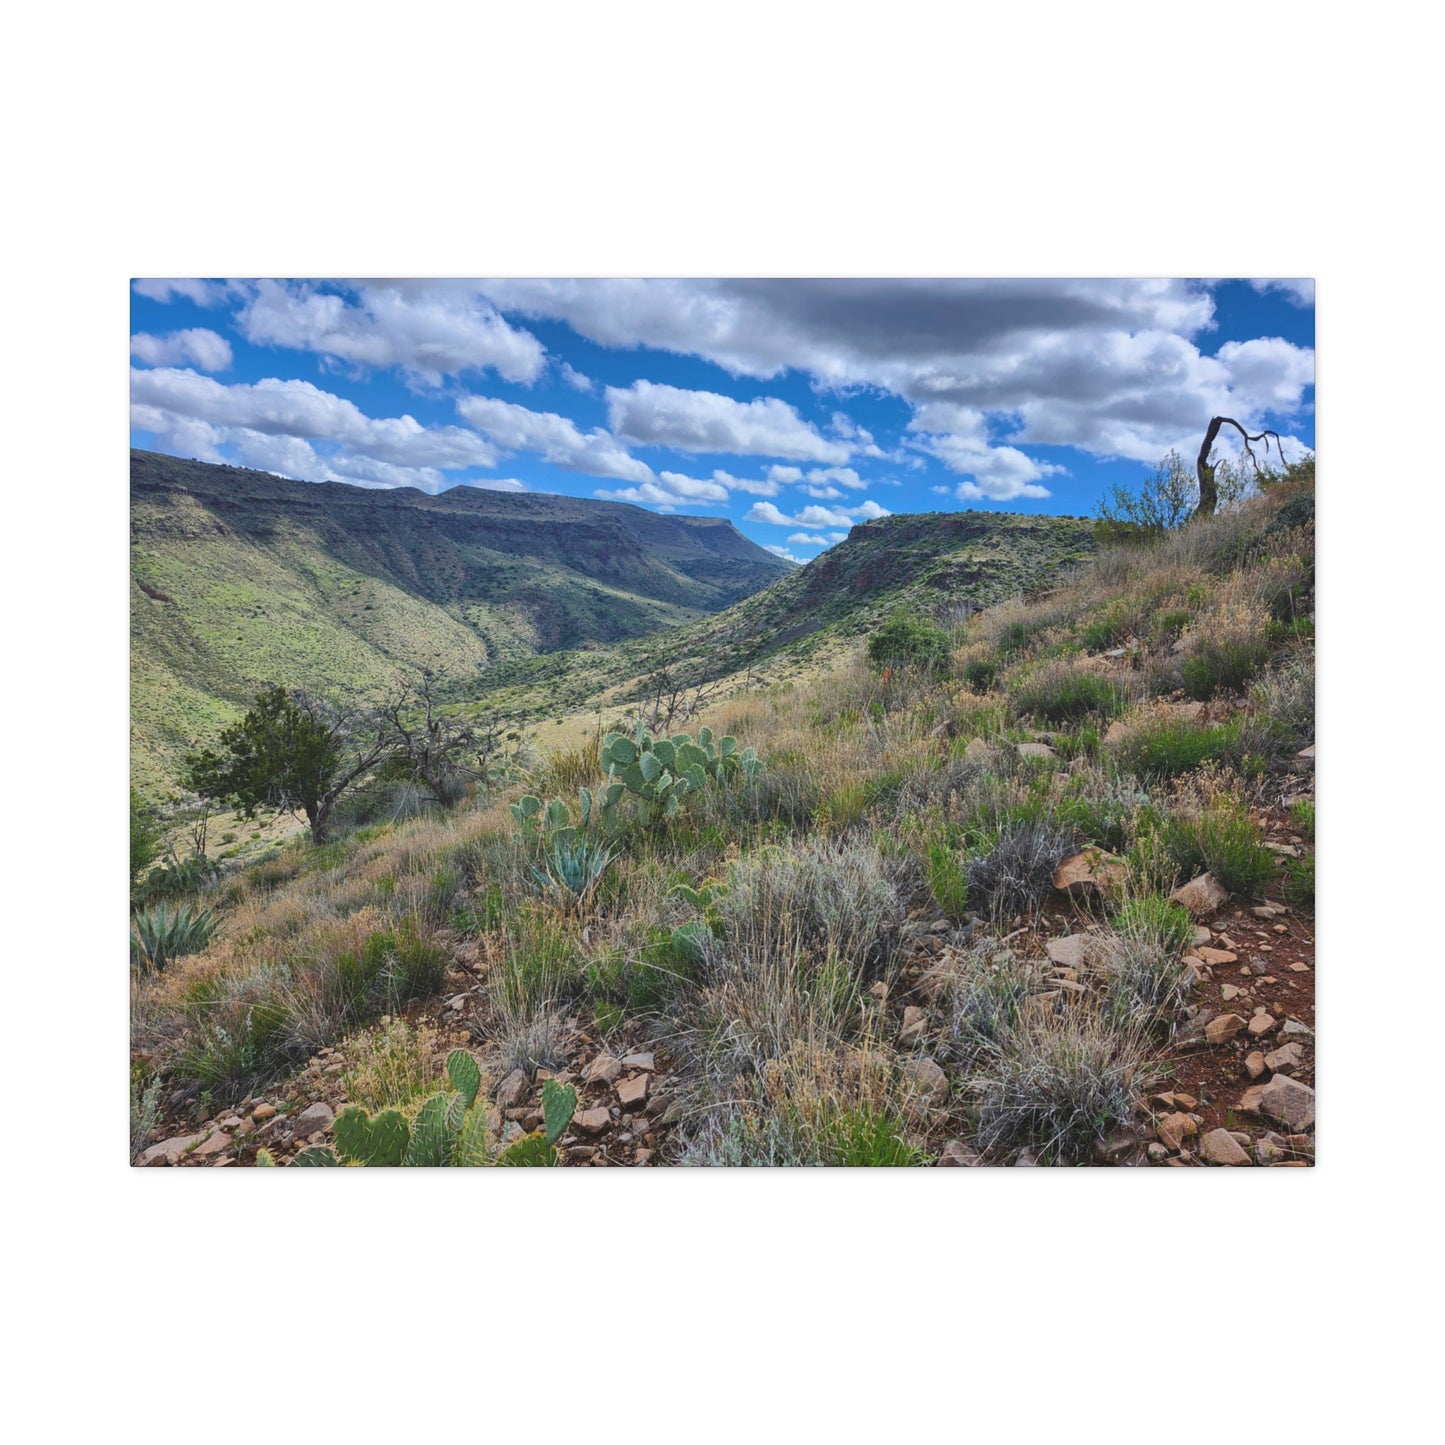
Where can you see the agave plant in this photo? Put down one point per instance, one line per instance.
(572, 869)
(166, 932)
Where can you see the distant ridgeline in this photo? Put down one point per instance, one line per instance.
(240, 578)
(933, 563)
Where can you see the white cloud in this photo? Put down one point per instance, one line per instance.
(430, 331)
(575, 379)
(837, 536)
(1299, 292)
(815, 516)
(203, 293)
(785, 474)
(556, 437)
(705, 421)
(196, 344)
(843, 476)
(823, 494)
(807, 539)
(782, 552)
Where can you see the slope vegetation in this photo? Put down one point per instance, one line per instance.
(241, 578)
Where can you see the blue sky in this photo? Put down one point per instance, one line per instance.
(795, 408)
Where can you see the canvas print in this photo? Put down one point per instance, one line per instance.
(759, 722)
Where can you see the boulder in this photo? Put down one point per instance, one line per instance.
(1201, 896)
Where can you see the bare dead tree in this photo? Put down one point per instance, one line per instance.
(438, 751)
(1208, 492)
(665, 698)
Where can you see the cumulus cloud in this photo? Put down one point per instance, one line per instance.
(428, 331)
(202, 293)
(807, 539)
(197, 345)
(785, 474)
(575, 379)
(555, 437)
(843, 476)
(816, 516)
(782, 552)
(705, 421)
(823, 494)
(1299, 292)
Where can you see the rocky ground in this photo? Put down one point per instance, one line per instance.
(1242, 1058)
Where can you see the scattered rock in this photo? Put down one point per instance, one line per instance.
(1282, 1060)
(633, 1092)
(1218, 955)
(262, 1112)
(1090, 871)
(313, 1119)
(169, 1150)
(977, 749)
(1230, 991)
(640, 1061)
(958, 1155)
(594, 1121)
(1266, 1151)
(604, 1069)
(1034, 750)
(1250, 1101)
(215, 1144)
(1157, 1151)
(1294, 1029)
(1201, 896)
(641, 1157)
(1262, 1024)
(1174, 1129)
(1289, 1101)
(915, 1021)
(1221, 1030)
(512, 1088)
(1069, 952)
(1219, 1146)
(1255, 1065)
(926, 1076)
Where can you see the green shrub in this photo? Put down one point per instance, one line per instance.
(1167, 746)
(1059, 693)
(145, 836)
(1154, 917)
(907, 640)
(980, 671)
(948, 881)
(864, 1138)
(1217, 839)
(1299, 883)
(1016, 874)
(1225, 663)
(164, 933)
(1302, 815)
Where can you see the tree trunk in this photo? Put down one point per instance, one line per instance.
(1208, 492)
(320, 820)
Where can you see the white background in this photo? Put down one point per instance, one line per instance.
(750, 138)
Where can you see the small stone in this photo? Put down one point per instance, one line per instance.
(1219, 1146)
(1157, 1151)
(1201, 896)
(1262, 1023)
(594, 1121)
(1289, 1101)
(1230, 991)
(262, 1112)
(1294, 1029)
(169, 1150)
(512, 1088)
(1034, 750)
(1090, 871)
(640, 1061)
(214, 1145)
(1174, 1129)
(1250, 1101)
(1221, 1030)
(633, 1092)
(1068, 952)
(1214, 956)
(581, 1153)
(641, 1157)
(1282, 1060)
(604, 1069)
(958, 1155)
(313, 1119)
(1266, 1151)
(1255, 1065)
(926, 1076)
(915, 1021)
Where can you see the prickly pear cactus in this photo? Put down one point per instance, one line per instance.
(559, 1103)
(316, 1156)
(466, 1076)
(433, 1133)
(379, 1142)
(531, 1151)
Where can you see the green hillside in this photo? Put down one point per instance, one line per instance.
(935, 564)
(241, 578)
